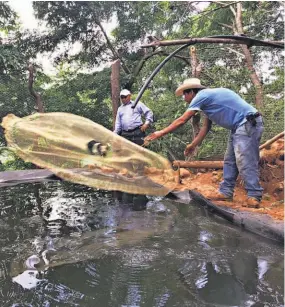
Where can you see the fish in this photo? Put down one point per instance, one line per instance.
(97, 148)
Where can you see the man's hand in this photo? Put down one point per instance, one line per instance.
(144, 127)
(154, 136)
(189, 149)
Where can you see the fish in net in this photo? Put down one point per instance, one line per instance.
(78, 150)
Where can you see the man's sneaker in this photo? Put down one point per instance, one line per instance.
(252, 202)
(219, 196)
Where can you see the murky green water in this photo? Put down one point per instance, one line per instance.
(68, 245)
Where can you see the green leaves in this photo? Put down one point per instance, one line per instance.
(82, 91)
(8, 18)
(81, 94)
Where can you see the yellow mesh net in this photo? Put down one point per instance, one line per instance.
(81, 151)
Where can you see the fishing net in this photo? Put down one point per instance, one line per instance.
(78, 150)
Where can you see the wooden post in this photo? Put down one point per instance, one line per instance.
(194, 61)
(178, 174)
(115, 88)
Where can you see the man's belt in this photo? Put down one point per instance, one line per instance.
(251, 118)
(131, 130)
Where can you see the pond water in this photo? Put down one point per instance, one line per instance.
(69, 245)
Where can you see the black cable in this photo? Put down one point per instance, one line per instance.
(250, 42)
(156, 70)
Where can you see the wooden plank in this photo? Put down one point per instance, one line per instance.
(199, 164)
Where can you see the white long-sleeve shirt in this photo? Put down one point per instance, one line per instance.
(128, 118)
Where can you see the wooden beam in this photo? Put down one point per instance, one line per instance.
(199, 164)
(269, 142)
(279, 44)
(219, 164)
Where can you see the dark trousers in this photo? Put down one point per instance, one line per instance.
(136, 136)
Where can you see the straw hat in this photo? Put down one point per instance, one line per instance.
(188, 84)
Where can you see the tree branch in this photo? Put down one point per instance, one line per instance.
(224, 5)
(233, 11)
(282, 2)
(249, 60)
(115, 53)
(220, 23)
(223, 25)
(218, 8)
(212, 40)
(235, 51)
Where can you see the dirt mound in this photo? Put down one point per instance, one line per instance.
(271, 178)
(272, 169)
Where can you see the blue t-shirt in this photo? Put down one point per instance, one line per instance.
(222, 106)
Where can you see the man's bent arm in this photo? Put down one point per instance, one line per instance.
(147, 112)
(178, 122)
(207, 124)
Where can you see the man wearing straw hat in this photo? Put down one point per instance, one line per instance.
(227, 109)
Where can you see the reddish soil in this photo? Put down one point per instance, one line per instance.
(271, 178)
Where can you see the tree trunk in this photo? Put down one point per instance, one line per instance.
(249, 61)
(195, 120)
(39, 103)
(115, 88)
(112, 48)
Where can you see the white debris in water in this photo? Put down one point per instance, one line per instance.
(202, 281)
(28, 279)
(60, 206)
(156, 207)
(262, 267)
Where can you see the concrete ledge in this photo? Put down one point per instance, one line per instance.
(10, 178)
(260, 224)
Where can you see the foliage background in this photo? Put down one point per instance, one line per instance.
(82, 83)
